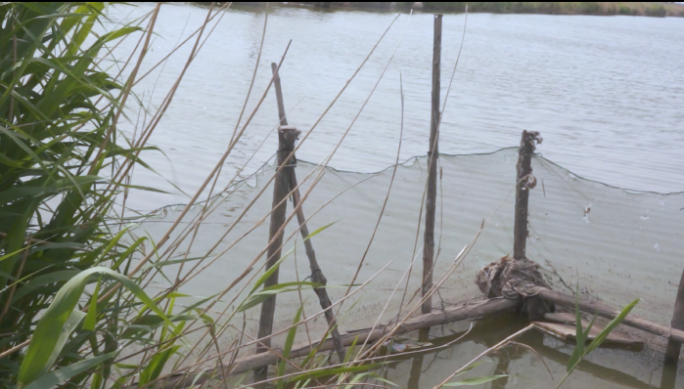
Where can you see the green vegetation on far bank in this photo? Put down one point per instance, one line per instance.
(553, 8)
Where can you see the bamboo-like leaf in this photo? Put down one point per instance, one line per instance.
(91, 316)
(61, 375)
(45, 345)
(156, 364)
(289, 341)
(611, 326)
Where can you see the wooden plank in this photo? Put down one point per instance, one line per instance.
(610, 313)
(564, 329)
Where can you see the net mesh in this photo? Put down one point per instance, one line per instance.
(614, 244)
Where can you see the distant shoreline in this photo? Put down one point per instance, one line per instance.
(547, 8)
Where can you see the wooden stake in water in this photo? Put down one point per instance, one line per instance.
(433, 154)
(673, 347)
(317, 276)
(525, 181)
(286, 141)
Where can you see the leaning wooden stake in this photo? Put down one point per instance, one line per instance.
(674, 347)
(317, 276)
(525, 182)
(433, 154)
(286, 141)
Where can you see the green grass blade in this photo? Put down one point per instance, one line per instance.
(91, 316)
(44, 346)
(289, 341)
(61, 375)
(611, 326)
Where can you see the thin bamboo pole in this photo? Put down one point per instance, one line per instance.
(433, 154)
(317, 275)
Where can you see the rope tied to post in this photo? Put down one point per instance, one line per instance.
(288, 135)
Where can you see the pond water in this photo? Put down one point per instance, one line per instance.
(605, 92)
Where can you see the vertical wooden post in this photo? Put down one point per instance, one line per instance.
(316, 272)
(286, 141)
(525, 181)
(279, 94)
(673, 347)
(433, 154)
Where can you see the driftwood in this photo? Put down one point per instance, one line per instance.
(473, 311)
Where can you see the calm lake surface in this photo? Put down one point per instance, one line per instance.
(606, 93)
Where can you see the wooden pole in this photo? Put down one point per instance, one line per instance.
(286, 141)
(525, 182)
(472, 312)
(279, 94)
(316, 272)
(674, 347)
(610, 313)
(433, 154)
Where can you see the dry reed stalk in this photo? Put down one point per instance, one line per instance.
(498, 346)
(184, 371)
(312, 128)
(242, 276)
(237, 125)
(127, 90)
(299, 145)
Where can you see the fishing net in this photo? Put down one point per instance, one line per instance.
(611, 243)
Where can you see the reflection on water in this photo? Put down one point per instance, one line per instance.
(605, 92)
(524, 369)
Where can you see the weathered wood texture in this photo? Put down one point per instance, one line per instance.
(609, 312)
(669, 377)
(563, 326)
(286, 141)
(525, 182)
(433, 155)
(317, 275)
(473, 311)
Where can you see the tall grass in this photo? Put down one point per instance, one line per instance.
(57, 143)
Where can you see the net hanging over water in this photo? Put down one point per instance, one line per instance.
(614, 244)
